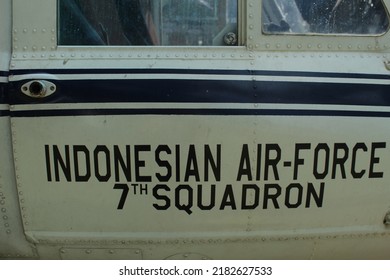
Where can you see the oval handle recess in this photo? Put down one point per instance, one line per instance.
(38, 88)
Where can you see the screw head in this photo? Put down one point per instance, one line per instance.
(230, 39)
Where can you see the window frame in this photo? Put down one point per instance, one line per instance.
(257, 40)
(240, 41)
(331, 34)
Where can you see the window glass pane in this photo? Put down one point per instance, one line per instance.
(146, 22)
(358, 17)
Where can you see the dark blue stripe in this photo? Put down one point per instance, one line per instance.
(3, 89)
(199, 112)
(4, 113)
(204, 72)
(201, 91)
(3, 96)
(204, 91)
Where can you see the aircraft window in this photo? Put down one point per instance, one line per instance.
(147, 22)
(356, 17)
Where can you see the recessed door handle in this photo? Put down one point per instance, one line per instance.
(38, 88)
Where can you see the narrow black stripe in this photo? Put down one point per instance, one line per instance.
(203, 72)
(322, 75)
(4, 113)
(199, 112)
(4, 73)
(131, 71)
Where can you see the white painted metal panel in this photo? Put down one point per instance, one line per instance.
(295, 176)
